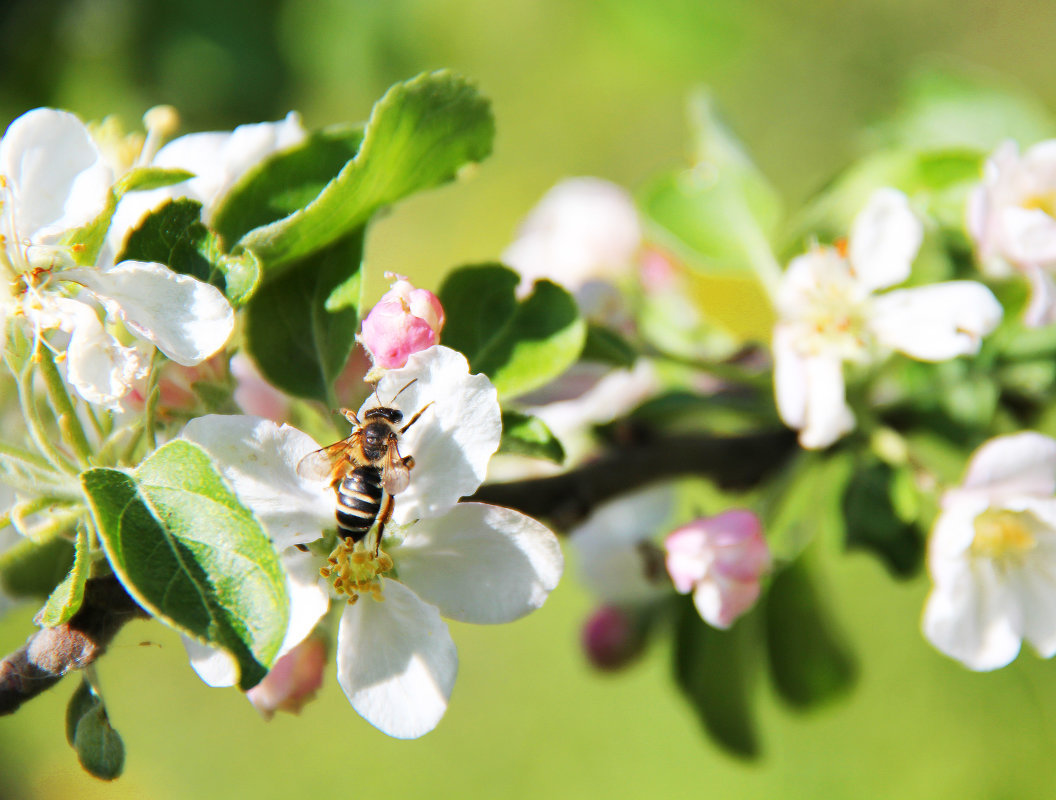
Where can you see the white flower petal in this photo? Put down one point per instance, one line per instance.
(790, 378)
(99, 368)
(56, 175)
(828, 416)
(610, 545)
(1042, 307)
(480, 563)
(1030, 235)
(453, 440)
(884, 240)
(308, 599)
(214, 665)
(186, 319)
(1019, 464)
(1035, 586)
(937, 322)
(259, 459)
(396, 662)
(972, 618)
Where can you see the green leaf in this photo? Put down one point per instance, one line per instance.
(873, 523)
(726, 413)
(192, 555)
(520, 345)
(420, 134)
(806, 503)
(607, 347)
(33, 570)
(64, 602)
(713, 669)
(88, 729)
(286, 182)
(719, 215)
(299, 343)
(810, 663)
(174, 235)
(139, 179)
(525, 435)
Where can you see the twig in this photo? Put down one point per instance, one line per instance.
(734, 462)
(52, 652)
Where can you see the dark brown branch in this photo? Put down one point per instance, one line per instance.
(736, 462)
(52, 652)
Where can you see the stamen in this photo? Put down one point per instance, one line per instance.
(357, 570)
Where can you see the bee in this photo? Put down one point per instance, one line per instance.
(365, 470)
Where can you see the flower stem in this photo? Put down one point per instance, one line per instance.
(150, 406)
(31, 414)
(65, 414)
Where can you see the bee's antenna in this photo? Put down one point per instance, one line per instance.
(375, 385)
(393, 400)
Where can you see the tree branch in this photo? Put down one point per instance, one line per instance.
(52, 652)
(734, 462)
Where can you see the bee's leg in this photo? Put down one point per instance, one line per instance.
(414, 419)
(409, 462)
(383, 516)
(350, 415)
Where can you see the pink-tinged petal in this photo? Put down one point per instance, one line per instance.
(396, 662)
(293, 681)
(259, 459)
(56, 175)
(253, 394)
(1030, 234)
(1041, 310)
(937, 322)
(454, 438)
(480, 563)
(721, 602)
(186, 319)
(216, 667)
(1018, 464)
(884, 240)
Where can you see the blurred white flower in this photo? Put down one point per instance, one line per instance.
(53, 180)
(992, 556)
(721, 560)
(583, 229)
(1012, 218)
(469, 562)
(218, 160)
(829, 313)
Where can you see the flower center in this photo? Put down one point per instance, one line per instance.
(355, 569)
(1043, 201)
(1001, 534)
(835, 316)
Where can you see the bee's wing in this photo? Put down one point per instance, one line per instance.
(395, 476)
(324, 464)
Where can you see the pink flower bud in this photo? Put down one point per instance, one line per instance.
(720, 559)
(611, 638)
(292, 681)
(404, 321)
(254, 395)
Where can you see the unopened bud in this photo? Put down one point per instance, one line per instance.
(611, 638)
(292, 681)
(720, 560)
(404, 321)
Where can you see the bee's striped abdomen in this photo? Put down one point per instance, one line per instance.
(358, 500)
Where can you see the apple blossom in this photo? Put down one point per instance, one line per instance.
(720, 560)
(471, 562)
(830, 312)
(293, 680)
(53, 180)
(1012, 218)
(582, 229)
(992, 556)
(612, 637)
(405, 320)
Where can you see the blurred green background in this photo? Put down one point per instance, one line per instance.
(579, 88)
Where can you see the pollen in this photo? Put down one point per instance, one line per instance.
(355, 569)
(1001, 534)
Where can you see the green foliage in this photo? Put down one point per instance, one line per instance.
(192, 555)
(809, 661)
(806, 503)
(297, 336)
(519, 344)
(606, 346)
(88, 730)
(141, 179)
(420, 134)
(873, 521)
(525, 435)
(32, 570)
(67, 597)
(714, 670)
